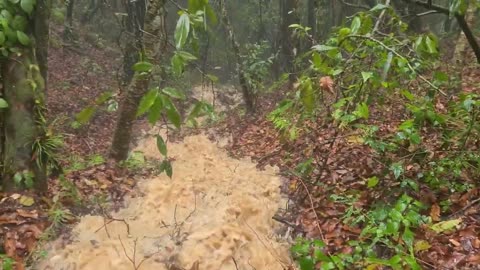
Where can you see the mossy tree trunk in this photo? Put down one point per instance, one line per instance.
(247, 91)
(142, 17)
(23, 88)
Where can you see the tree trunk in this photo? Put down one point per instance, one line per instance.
(289, 45)
(41, 33)
(247, 92)
(68, 29)
(20, 119)
(312, 17)
(137, 45)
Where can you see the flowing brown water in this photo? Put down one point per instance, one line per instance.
(216, 211)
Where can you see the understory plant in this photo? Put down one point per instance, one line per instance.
(382, 73)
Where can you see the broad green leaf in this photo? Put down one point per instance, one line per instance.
(23, 38)
(166, 167)
(172, 92)
(366, 76)
(3, 103)
(172, 113)
(356, 23)
(177, 64)
(147, 101)
(142, 67)
(307, 94)
(306, 263)
(161, 145)
(446, 225)
(397, 169)
(407, 94)
(431, 45)
(181, 31)
(27, 5)
(362, 111)
(323, 48)
(440, 76)
(186, 55)
(85, 115)
(372, 182)
(155, 111)
(379, 7)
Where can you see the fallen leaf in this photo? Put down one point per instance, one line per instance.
(435, 212)
(445, 225)
(26, 200)
(27, 214)
(454, 242)
(421, 246)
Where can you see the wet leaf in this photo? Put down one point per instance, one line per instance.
(161, 145)
(421, 246)
(435, 212)
(445, 225)
(26, 200)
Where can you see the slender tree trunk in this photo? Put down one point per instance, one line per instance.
(247, 92)
(312, 17)
(41, 33)
(68, 29)
(289, 44)
(20, 119)
(140, 16)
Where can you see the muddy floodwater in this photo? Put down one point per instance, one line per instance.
(215, 213)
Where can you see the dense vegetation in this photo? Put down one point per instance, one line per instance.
(371, 106)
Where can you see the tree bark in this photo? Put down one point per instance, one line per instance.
(41, 33)
(247, 92)
(20, 119)
(289, 44)
(140, 18)
(68, 28)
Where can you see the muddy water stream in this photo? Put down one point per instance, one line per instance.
(215, 213)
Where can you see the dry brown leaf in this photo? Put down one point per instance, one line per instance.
(454, 242)
(27, 214)
(435, 212)
(326, 84)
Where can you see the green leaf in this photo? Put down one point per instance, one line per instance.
(372, 182)
(174, 93)
(23, 38)
(431, 45)
(186, 55)
(166, 167)
(147, 101)
(177, 64)
(366, 76)
(397, 169)
(379, 7)
(19, 23)
(2, 38)
(440, 76)
(408, 237)
(142, 67)
(307, 94)
(161, 145)
(172, 113)
(446, 225)
(356, 23)
(3, 103)
(181, 31)
(362, 110)
(155, 111)
(306, 263)
(27, 5)
(323, 48)
(85, 115)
